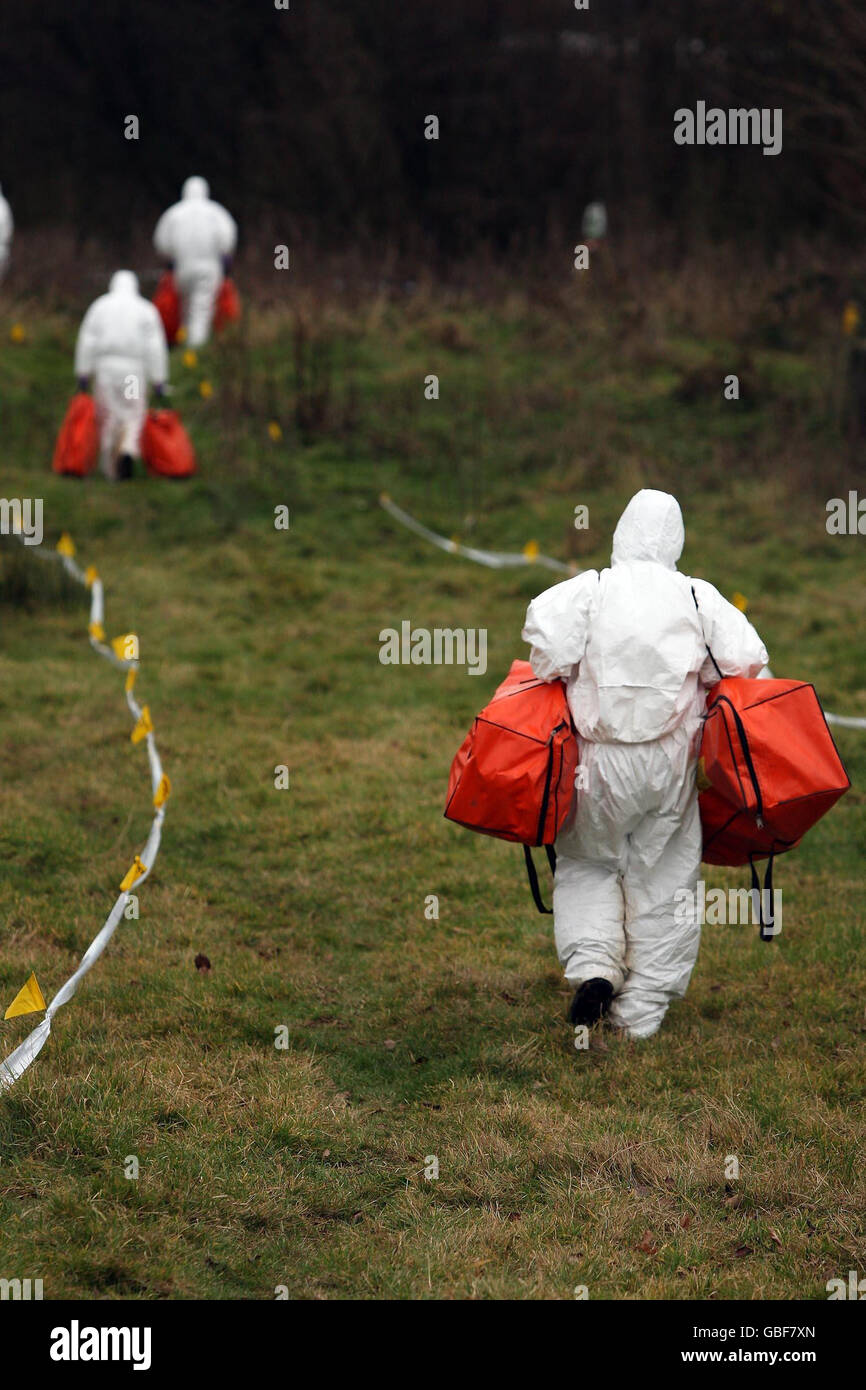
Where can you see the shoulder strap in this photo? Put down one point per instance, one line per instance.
(765, 901)
(706, 644)
(532, 874)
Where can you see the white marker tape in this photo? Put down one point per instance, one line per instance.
(493, 559)
(18, 1061)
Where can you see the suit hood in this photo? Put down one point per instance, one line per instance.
(195, 187)
(650, 528)
(123, 282)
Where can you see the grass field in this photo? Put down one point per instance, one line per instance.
(304, 1167)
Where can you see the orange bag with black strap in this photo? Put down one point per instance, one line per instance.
(165, 445)
(228, 305)
(513, 775)
(167, 301)
(768, 770)
(78, 440)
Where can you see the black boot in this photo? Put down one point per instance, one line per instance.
(591, 1002)
(124, 468)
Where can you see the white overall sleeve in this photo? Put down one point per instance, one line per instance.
(557, 623)
(736, 646)
(89, 342)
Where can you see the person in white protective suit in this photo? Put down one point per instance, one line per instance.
(121, 347)
(633, 644)
(198, 238)
(6, 229)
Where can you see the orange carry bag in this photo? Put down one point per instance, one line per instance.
(78, 441)
(165, 445)
(228, 305)
(167, 301)
(769, 769)
(513, 776)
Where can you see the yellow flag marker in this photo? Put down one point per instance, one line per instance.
(97, 632)
(144, 725)
(530, 550)
(130, 678)
(28, 1000)
(163, 791)
(190, 358)
(275, 431)
(66, 545)
(132, 875)
(125, 647)
(17, 333)
(740, 601)
(205, 390)
(91, 574)
(850, 319)
(384, 497)
(180, 335)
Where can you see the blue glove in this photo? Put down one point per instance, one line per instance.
(83, 383)
(227, 265)
(159, 391)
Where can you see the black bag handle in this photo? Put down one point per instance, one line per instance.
(532, 874)
(766, 925)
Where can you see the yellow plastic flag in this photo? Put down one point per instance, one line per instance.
(850, 319)
(17, 333)
(205, 390)
(190, 358)
(28, 1000)
(130, 678)
(91, 574)
(530, 550)
(275, 431)
(163, 791)
(125, 647)
(66, 545)
(132, 875)
(97, 632)
(144, 725)
(740, 601)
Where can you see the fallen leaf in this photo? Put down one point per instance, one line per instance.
(647, 1245)
(743, 1250)
(685, 1222)
(390, 1044)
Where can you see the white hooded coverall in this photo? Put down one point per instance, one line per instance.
(196, 234)
(121, 345)
(632, 648)
(6, 228)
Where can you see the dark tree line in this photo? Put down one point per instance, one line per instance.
(311, 119)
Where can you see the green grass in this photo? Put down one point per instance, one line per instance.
(408, 1037)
